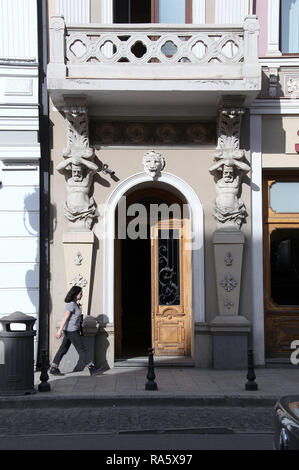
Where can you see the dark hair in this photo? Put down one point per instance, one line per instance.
(72, 294)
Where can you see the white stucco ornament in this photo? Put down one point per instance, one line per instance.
(153, 163)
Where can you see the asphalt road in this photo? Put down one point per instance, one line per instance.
(159, 441)
(124, 419)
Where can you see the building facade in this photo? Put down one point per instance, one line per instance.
(172, 126)
(19, 159)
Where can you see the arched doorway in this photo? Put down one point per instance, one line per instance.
(152, 274)
(173, 185)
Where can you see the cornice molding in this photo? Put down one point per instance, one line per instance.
(283, 106)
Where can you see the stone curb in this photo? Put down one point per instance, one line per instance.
(90, 401)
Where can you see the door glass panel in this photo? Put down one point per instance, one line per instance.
(284, 196)
(172, 11)
(169, 267)
(285, 266)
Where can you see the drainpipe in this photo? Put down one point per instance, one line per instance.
(44, 129)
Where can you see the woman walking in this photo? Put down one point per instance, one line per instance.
(70, 327)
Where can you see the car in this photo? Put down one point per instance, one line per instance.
(286, 423)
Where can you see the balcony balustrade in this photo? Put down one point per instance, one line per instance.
(198, 57)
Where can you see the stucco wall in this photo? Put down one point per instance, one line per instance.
(278, 143)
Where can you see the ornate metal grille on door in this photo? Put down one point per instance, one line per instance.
(169, 267)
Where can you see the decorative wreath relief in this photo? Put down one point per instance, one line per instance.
(228, 283)
(228, 260)
(228, 304)
(79, 281)
(78, 259)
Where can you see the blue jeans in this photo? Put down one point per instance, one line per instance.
(72, 337)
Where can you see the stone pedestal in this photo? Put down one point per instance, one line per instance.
(228, 256)
(78, 248)
(229, 329)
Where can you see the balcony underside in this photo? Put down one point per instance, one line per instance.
(150, 97)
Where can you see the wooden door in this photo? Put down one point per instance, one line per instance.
(171, 288)
(281, 263)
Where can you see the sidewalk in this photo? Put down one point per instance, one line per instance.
(183, 386)
(188, 399)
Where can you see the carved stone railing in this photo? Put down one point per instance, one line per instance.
(152, 50)
(156, 45)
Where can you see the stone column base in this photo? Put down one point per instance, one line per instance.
(230, 342)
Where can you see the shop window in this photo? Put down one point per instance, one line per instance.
(281, 261)
(284, 245)
(289, 21)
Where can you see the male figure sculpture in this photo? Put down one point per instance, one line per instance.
(229, 209)
(79, 208)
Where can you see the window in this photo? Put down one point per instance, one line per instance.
(172, 11)
(284, 259)
(132, 11)
(284, 196)
(152, 11)
(289, 21)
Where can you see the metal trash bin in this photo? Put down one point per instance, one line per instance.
(16, 354)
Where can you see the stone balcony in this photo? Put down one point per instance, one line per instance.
(128, 65)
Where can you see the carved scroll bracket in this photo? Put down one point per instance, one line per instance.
(77, 132)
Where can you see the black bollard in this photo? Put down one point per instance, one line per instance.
(251, 384)
(151, 384)
(44, 377)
